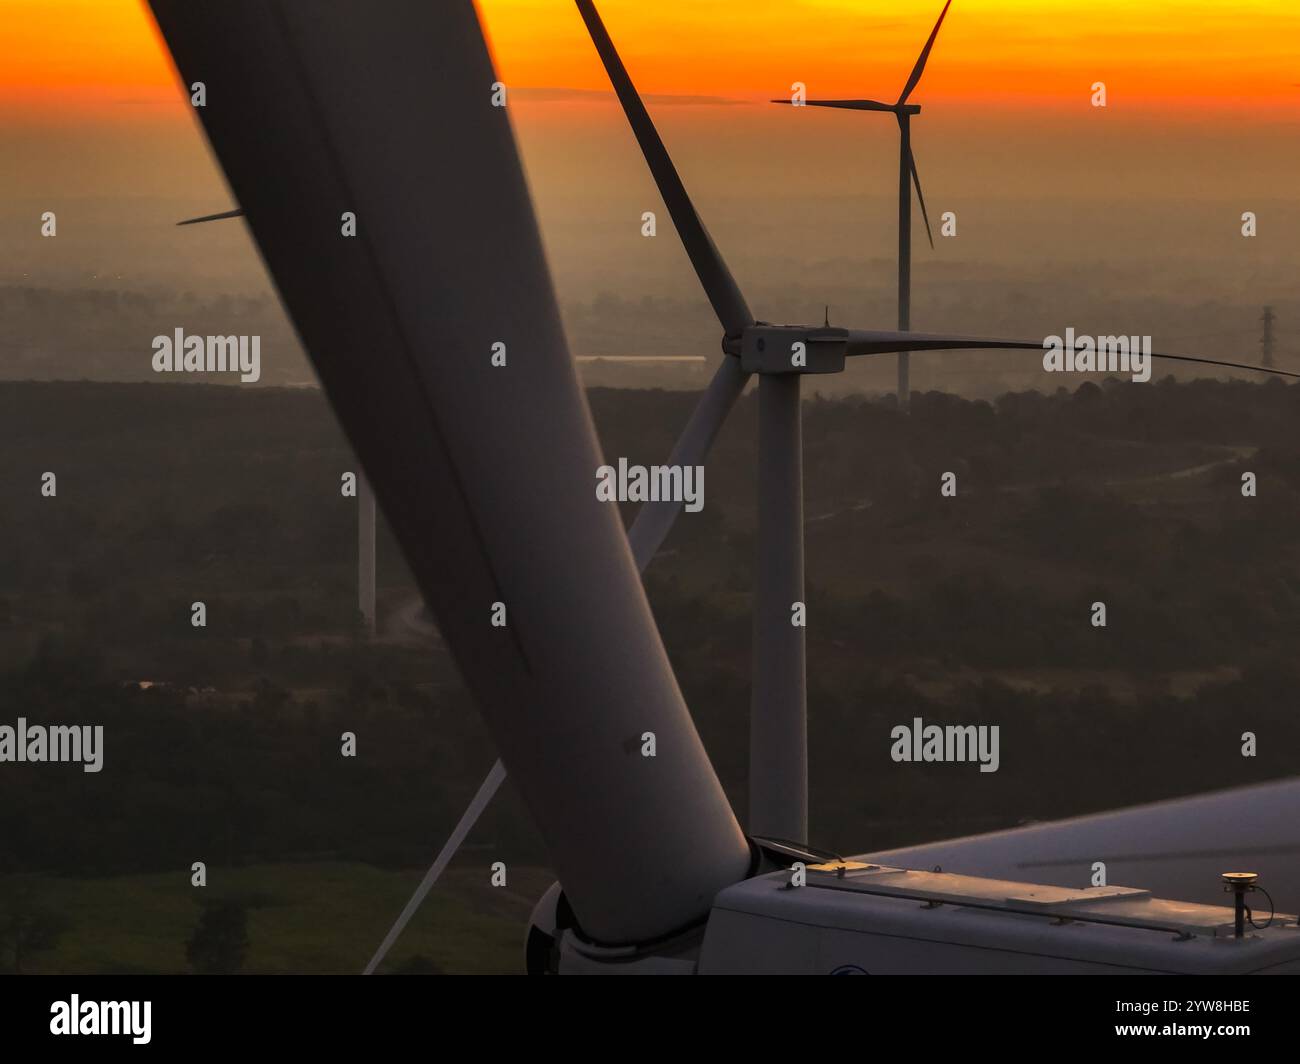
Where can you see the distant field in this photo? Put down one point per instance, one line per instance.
(313, 918)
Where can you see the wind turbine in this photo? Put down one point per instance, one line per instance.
(365, 500)
(648, 850)
(778, 770)
(907, 177)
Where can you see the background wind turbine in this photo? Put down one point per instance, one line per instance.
(907, 177)
(778, 766)
(365, 501)
(366, 553)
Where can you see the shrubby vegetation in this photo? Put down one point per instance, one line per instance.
(973, 609)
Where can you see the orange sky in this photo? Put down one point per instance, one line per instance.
(1203, 123)
(97, 61)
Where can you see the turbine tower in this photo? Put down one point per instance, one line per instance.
(907, 177)
(1266, 340)
(366, 553)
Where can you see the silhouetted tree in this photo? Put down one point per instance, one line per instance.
(27, 927)
(417, 964)
(220, 941)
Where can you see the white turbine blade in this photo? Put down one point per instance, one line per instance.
(882, 342)
(485, 474)
(648, 532)
(873, 342)
(920, 196)
(919, 69)
(651, 526)
(496, 775)
(1176, 849)
(847, 105)
(236, 213)
(655, 519)
(715, 277)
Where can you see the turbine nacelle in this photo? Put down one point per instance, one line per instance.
(781, 349)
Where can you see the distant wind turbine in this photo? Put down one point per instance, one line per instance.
(907, 176)
(364, 501)
(366, 552)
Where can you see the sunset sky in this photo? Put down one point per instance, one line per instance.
(78, 60)
(1054, 195)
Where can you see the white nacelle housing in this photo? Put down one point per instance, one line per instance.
(864, 919)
